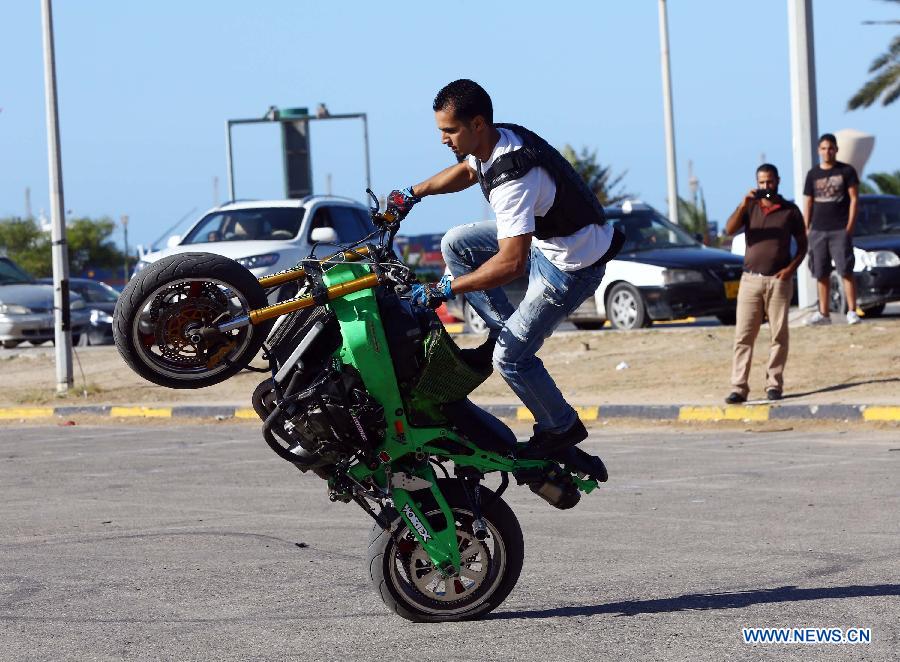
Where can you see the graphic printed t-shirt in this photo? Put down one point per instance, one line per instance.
(828, 189)
(516, 203)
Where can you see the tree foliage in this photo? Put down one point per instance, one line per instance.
(885, 80)
(89, 242)
(886, 183)
(600, 179)
(692, 217)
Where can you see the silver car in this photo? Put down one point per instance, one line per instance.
(26, 308)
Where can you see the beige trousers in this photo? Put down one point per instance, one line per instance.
(761, 295)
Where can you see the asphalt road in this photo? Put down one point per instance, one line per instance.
(181, 543)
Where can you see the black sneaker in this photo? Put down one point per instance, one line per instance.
(480, 358)
(735, 398)
(547, 444)
(773, 394)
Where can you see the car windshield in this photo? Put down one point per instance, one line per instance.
(645, 231)
(878, 216)
(10, 274)
(97, 292)
(247, 224)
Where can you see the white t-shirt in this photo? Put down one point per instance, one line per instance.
(517, 202)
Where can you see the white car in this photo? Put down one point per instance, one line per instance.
(268, 236)
(661, 273)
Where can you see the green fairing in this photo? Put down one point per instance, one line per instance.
(365, 348)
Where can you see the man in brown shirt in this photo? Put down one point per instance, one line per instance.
(768, 221)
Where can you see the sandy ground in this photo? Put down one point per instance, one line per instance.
(672, 365)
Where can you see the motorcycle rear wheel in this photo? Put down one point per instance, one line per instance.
(403, 576)
(165, 301)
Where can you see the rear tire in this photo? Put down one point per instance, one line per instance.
(164, 301)
(399, 573)
(474, 323)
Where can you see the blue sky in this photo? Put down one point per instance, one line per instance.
(145, 89)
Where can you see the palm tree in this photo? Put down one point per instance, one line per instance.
(599, 178)
(692, 217)
(886, 183)
(886, 78)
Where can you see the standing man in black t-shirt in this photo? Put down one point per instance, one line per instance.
(831, 195)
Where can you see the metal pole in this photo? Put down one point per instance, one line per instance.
(365, 122)
(125, 232)
(804, 123)
(671, 174)
(230, 162)
(62, 332)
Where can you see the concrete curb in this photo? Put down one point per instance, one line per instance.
(691, 413)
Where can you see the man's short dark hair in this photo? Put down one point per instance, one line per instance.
(467, 99)
(829, 137)
(769, 168)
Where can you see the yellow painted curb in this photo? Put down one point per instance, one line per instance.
(726, 413)
(881, 414)
(245, 413)
(25, 412)
(584, 413)
(141, 412)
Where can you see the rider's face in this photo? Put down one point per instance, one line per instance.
(461, 137)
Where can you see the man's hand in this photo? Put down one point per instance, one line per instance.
(785, 274)
(399, 203)
(433, 295)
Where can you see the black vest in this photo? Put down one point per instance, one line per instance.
(574, 206)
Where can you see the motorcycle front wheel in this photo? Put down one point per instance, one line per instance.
(408, 583)
(164, 305)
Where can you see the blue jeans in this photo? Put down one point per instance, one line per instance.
(552, 296)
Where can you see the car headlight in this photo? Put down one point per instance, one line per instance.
(257, 261)
(678, 276)
(78, 304)
(13, 309)
(100, 317)
(873, 259)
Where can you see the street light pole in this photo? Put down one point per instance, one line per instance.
(671, 173)
(60, 255)
(804, 121)
(125, 232)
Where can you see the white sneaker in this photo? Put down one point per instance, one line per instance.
(853, 318)
(818, 319)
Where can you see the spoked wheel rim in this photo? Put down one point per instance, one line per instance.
(474, 321)
(162, 326)
(623, 309)
(423, 587)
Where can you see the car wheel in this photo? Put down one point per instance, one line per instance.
(837, 303)
(10, 344)
(728, 319)
(83, 340)
(874, 311)
(625, 307)
(474, 323)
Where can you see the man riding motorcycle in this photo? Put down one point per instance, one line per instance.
(549, 225)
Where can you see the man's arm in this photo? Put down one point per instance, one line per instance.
(450, 180)
(735, 222)
(807, 212)
(507, 265)
(853, 191)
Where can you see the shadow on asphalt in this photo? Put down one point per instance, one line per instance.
(707, 601)
(841, 387)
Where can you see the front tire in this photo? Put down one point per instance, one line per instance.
(625, 307)
(403, 576)
(166, 301)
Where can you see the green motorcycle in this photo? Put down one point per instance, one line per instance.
(368, 392)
